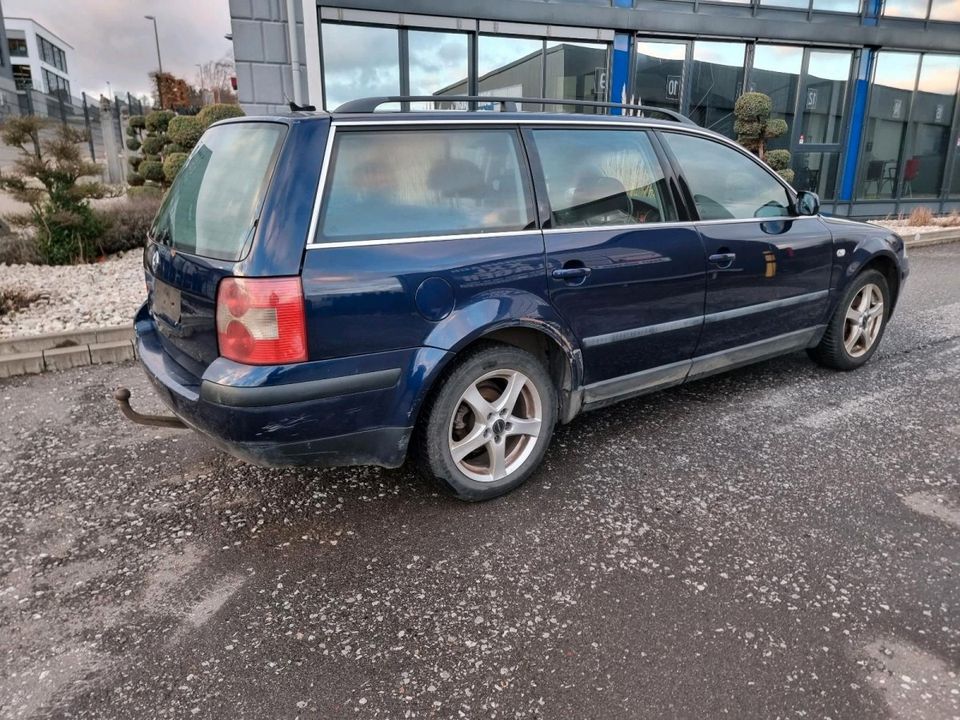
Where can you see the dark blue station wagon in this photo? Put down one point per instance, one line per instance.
(354, 287)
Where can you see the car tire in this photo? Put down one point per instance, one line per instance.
(857, 325)
(486, 428)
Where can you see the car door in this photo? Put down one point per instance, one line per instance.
(768, 270)
(622, 269)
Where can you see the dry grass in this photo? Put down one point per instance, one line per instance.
(920, 216)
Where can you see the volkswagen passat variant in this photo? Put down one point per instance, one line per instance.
(354, 287)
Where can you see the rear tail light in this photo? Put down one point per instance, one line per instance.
(260, 321)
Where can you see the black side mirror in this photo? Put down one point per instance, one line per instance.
(808, 203)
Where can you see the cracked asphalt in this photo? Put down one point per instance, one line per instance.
(779, 542)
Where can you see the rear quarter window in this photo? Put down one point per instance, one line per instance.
(411, 183)
(212, 207)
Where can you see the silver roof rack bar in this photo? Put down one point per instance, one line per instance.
(507, 104)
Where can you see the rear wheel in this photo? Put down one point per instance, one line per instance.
(854, 331)
(488, 426)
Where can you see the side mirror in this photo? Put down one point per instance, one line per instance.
(808, 203)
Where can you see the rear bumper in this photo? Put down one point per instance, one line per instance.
(346, 411)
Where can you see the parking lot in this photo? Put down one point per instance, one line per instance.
(779, 542)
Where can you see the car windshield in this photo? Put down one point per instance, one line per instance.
(212, 207)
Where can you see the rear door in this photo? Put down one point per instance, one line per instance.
(622, 269)
(768, 271)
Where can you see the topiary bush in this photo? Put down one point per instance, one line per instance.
(145, 191)
(755, 127)
(126, 223)
(133, 144)
(135, 160)
(135, 179)
(157, 121)
(152, 170)
(153, 144)
(137, 121)
(213, 113)
(185, 130)
(172, 164)
(170, 148)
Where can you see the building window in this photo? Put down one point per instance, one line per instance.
(511, 66)
(776, 72)
(363, 60)
(17, 46)
(51, 54)
(658, 77)
(906, 8)
(908, 126)
(56, 85)
(928, 134)
(22, 77)
(946, 10)
(359, 61)
(893, 83)
(438, 64)
(716, 81)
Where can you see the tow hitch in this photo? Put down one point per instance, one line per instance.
(122, 396)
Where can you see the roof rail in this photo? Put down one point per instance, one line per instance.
(507, 104)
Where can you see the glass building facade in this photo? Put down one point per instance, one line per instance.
(868, 88)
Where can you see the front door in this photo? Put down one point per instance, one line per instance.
(768, 271)
(626, 276)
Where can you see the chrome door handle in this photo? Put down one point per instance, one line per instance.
(723, 259)
(572, 273)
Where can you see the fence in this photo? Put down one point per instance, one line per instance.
(103, 120)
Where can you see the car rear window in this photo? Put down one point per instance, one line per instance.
(413, 183)
(212, 207)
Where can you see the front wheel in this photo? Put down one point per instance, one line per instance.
(488, 426)
(855, 329)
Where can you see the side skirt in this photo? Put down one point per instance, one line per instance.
(607, 392)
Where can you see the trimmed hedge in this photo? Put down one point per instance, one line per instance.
(152, 170)
(213, 113)
(133, 144)
(137, 121)
(158, 120)
(135, 179)
(153, 144)
(172, 165)
(185, 130)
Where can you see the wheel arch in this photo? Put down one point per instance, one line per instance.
(544, 339)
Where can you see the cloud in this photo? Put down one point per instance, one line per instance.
(114, 43)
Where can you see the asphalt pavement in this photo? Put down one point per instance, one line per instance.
(778, 542)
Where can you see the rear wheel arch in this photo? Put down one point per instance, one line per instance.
(560, 357)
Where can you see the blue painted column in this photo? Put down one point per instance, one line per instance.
(620, 69)
(858, 110)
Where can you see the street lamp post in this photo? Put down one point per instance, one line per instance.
(156, 37)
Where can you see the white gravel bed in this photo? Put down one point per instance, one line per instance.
(74, 297)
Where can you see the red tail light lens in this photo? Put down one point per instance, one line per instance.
(261, 321)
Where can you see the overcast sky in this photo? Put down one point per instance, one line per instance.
(112, 41)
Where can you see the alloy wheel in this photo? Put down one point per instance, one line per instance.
(496, 425)
(863, 320)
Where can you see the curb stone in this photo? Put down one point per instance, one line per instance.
(75, 348)
(63, 350)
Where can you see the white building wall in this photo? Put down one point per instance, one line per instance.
(31, 31)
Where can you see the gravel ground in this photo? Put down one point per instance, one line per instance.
(782, 541)
(74, 297)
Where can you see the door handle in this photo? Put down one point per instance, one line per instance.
(723, 260)
(571, 273)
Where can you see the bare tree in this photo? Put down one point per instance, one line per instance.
(215, 77)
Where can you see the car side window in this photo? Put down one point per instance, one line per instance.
(725, 184)
(603, 177)
(411, 183)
